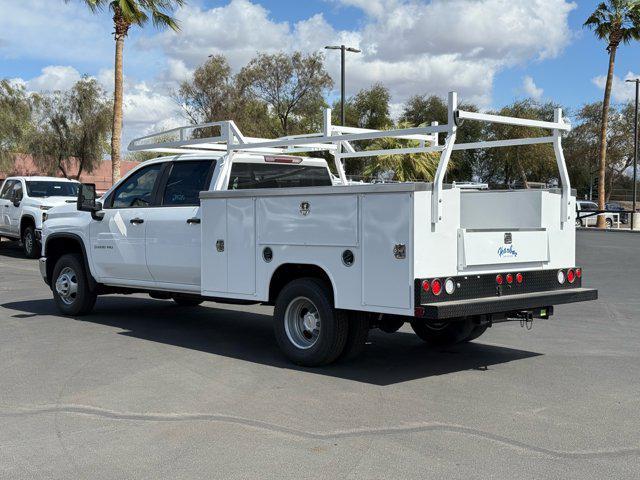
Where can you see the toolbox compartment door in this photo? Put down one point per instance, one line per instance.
(502, 247)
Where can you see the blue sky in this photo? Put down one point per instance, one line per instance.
(491, 51)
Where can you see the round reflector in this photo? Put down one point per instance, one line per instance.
(509, 278)
(449, 286)
(436, 287)
(425, 285)
(519, 278)
(560, 276)
(571, 276)
(499, 279)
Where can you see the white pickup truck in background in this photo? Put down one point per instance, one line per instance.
(242, 220)
(23, 203)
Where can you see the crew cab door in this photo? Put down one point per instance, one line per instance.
(173, 226)
(118, 240)
(13, 218)
(5, 201)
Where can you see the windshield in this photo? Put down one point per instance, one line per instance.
(52, 189)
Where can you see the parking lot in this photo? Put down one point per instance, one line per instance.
(146, 389)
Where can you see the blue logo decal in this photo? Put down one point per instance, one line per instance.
(508, 252)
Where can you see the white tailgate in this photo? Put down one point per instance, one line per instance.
(497, 247)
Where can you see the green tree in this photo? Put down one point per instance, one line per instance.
(425, 109)
(15, 120)
(524, 163)
(213, 94)
(293, 87)
(401, 167)
(616, 22)
(71, 129)
(127, 13)
(369, 108)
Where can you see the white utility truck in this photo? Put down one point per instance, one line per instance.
(24, 202)
(244, 220)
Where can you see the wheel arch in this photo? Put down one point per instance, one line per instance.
(26, 220)
(287, 272)
(58, 244)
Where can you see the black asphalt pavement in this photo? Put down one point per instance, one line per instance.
(145, 389)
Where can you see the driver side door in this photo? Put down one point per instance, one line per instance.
(118, 240)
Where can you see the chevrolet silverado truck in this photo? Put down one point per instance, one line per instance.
(23, 203)
(258, 221)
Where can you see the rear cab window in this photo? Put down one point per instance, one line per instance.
(275, 175)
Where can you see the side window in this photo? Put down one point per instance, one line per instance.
(17, 188)
(137, 190)
(241, 176)
(185, 182)
(5, 194)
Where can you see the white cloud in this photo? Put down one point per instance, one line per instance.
(412, 46)
(54, 77)
(531, 89)
(621, 91)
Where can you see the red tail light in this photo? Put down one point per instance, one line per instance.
(436, 287)
(579, 272)
(571, 276)
(426, 286)
(499, 279)
(509, 278)
(519, 278)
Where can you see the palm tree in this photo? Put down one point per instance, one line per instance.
(125, 14)
(616, 22)
(404, 167)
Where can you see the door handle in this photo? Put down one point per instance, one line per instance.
(136, 221)
(193, 220)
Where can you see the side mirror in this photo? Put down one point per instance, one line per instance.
(87, 200)
(15, 198)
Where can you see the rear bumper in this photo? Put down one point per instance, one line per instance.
(505, 304)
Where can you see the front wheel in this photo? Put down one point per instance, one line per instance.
(443, 334)
(609, 223)
(308, 329)
(70, 286)
(29, 243)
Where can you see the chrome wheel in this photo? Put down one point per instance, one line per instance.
(28, 242)
(67, 286)
(302, 323)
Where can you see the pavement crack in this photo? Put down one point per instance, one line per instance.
(266, 426)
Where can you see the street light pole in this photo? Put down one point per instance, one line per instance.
(343, 49)
(635, 152)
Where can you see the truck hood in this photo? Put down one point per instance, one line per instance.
(50, 201)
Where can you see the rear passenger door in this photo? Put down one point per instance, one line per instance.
(173, 228)
(5, 201)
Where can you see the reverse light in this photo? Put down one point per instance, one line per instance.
(509, 278)
(519, 278)
(425, 286)
(499, 279)
(449, 286)
(571, 276)
(561, 276)
(436, 287)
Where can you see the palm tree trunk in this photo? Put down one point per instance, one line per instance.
(116, 135)
(603, 137)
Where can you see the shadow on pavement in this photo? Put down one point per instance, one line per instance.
(388, 358)
(11, 248)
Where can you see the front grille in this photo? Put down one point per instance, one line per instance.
(483, 286)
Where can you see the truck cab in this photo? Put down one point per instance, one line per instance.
(24, 202)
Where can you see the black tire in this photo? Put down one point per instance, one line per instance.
(71, 266)
(303, 299)
(359, 326)
(444, 334)
(608, 223)
(30, 246)
(477, 332)
(578, 222)
(187, 302)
